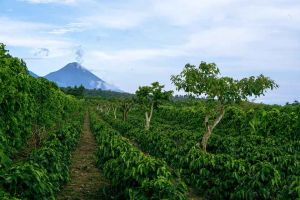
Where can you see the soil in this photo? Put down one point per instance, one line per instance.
(193, 195)
(86, 180)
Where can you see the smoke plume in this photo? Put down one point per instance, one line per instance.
(42, 52)
(79, 54)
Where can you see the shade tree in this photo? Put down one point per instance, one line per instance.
(150, 97)
(206, 81)
(126, 104)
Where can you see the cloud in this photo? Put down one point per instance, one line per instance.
(14, 26)
(34, 37)
(115, 19)
(131, 55)
(183, 13)
(133, 14)
(222, 41)
(33, 42)
(69, 28)
(68, 2)
(271, 15)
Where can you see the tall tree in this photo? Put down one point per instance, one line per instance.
(205, 81)
(150, 97)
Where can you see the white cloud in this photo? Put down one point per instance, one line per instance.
(273, 14)
(130, 55)
(114, 18)
(14, 26)
(195, 13)
(32, 42)
(51, 1)
(222, 41)
(182, 12)
(33, 36)
(69, 28)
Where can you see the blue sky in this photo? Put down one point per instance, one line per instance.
(136, 42)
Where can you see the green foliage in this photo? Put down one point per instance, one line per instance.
(126, 104)
(150, 97)
(28, 179)
(47, 168)
(27, 105)
(277, 122)
(105, 94)
(243, 164)
(133, 174)
(75, 91)
(27, 102)
(153, 94)
(5, 161)
(6, 196)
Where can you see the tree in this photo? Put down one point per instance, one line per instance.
(205, 81)
(114, 104)
(115, 108)
(107, 108)
(126, 106)
(150, 97)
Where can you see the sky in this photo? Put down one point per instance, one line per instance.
(136, 42)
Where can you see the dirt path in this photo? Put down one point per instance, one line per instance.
(86, 180)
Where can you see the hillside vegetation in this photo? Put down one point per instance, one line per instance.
(39, 128)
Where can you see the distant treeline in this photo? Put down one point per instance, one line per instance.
(106, 94)
(83, 92)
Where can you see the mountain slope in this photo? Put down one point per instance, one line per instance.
(73, 74)
(33, 74)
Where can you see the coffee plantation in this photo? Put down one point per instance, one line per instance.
(253, 151)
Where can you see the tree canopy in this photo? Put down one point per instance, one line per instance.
(153, 94)
(205, 80)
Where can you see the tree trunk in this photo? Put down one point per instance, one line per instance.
(147, 124)
(210, 128)
(125, 115)
(107, 111)
(126, 109)
(148, 118)
(115, 113)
